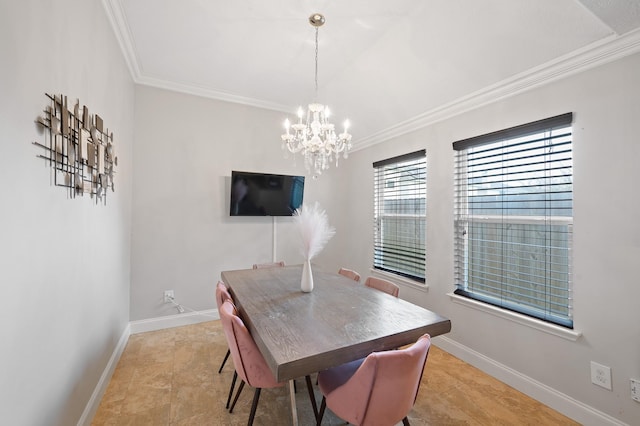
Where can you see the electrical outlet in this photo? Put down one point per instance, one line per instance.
(168, 296)
(601, 375)
(635, 389)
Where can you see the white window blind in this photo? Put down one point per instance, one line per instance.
(400, 215)
(514, 218)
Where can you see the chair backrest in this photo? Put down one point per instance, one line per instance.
(268, 265)
(383, 285)
(247, 359)
(349, 274)
(222, 294)
(385, 386)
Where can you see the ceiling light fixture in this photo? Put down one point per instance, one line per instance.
(313, 135)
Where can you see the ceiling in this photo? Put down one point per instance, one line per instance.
(388, 66)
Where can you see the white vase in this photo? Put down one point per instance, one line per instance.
(306, 284)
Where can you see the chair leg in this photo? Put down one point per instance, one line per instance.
(323, 405)
(224, 361)
(312, 396)
(405, 422)
(254, 405)
(237, 395)
(233, 385)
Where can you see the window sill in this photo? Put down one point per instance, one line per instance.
(543, 326)
(400, 280)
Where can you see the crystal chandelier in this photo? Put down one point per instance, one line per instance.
(313, 135)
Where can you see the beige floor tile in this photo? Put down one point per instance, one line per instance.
(157, 416)
(170, 377)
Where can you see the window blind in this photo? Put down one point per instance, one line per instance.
(400, 215)
(514, 218)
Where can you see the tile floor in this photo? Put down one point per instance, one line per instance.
(170, 378)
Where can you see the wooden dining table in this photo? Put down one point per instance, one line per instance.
(341, 320)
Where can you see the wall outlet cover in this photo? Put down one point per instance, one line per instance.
(635, 389)
(601, 375)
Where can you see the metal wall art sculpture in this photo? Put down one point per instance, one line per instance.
(79, 149)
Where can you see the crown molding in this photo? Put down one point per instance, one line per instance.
(121, 30)
(211, 93)
(115, 14)
(594, 55)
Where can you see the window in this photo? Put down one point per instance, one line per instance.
(400, 188)
(514, 218)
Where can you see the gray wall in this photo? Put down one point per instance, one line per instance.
(64, 263)
(606, 236)
(183, 236)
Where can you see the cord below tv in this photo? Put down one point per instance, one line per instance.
(265, 194)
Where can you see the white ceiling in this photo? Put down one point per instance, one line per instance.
(388, 66)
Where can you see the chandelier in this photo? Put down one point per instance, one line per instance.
(313, 135)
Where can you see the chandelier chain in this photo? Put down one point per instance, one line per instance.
(316, 63)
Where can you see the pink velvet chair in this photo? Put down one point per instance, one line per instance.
(380, 389)
(349, 274)
(268, 265)
(248, 361)
(222, 294)
(383, 285)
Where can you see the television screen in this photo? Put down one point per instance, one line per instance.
(262, 194)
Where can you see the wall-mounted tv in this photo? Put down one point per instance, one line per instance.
(263, 194)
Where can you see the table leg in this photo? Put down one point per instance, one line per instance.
(294, 411)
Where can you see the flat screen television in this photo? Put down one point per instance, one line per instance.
(263, 194)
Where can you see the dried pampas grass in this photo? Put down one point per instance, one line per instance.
(313, 224)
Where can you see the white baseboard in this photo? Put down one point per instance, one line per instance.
(94, 402)
(576, 410)
(135, 327)
(169, 321)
